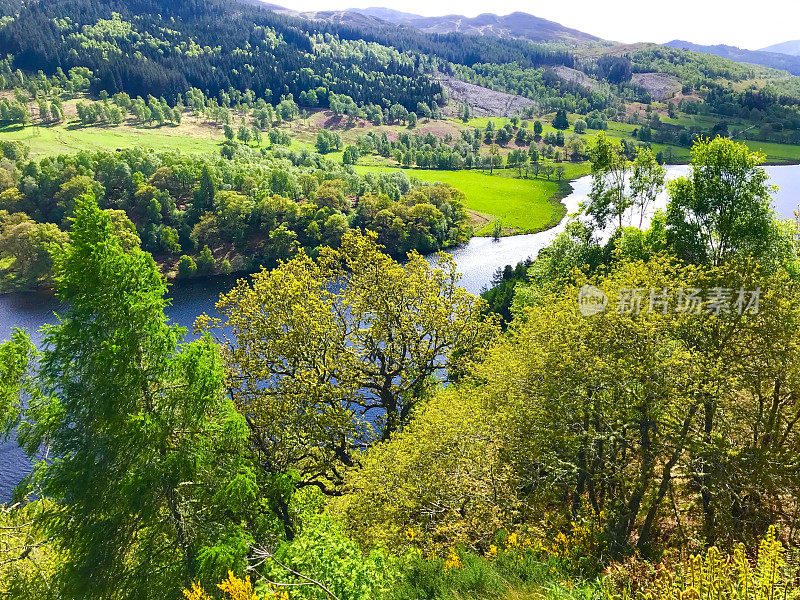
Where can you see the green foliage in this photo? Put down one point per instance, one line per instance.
(722, 208)
(16, 356)
(129, 525)
(441, 481)
(462, 575)
(712, 575)
(325, 318)
(187, 267)
(27, 251)
(328, 141)
(205, 262)
(323, 553)
(500, 295)
(560, 121)
(28, 560)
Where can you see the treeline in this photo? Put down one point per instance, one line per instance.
(432, 152)
(202, 44)
(220, 215)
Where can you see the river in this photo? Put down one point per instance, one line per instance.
(477, 261)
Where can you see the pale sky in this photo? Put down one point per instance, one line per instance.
(751, 24)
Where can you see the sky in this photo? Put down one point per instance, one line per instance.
(749, 24)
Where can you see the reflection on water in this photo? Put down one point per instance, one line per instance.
(477, 261)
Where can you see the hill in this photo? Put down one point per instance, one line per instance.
(774, 60)
(516, 25)
(792, 48)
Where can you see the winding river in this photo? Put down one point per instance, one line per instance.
(477, 261)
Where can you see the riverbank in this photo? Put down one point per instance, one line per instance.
(521, 205)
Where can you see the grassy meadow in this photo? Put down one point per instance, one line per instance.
(65, 138)
(521, 205)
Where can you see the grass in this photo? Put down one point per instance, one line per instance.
(68, 138)
(776, 153)
(521, 205)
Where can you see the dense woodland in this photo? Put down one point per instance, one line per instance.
(353, 424)
(205, 216)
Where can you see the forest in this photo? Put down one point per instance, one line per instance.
(615, 418)
(356, 427)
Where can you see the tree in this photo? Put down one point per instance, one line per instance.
(137, 424)
(323, 349)
(283, 242)
(722, 207)
(613, 406)
(671, 110)
(17, 356)
(537, 129)
(647, 181)
(205, 262)
(464, 112)
(205, 191)
(494, 156)
(328, 141)
(243, 134)
(186, 267)
(449, 456)
(580, 126)
(27, 251)
(560, 121)
(608, 196)
(503, 136)
(350, 156)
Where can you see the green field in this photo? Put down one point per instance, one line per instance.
(62, 139)
(776, 153)
(521, 205)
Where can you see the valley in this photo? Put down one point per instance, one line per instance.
(317, 303)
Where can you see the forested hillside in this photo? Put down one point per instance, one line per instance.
(616, 419)
(164, 47)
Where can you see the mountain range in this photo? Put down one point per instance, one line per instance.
(772, 59)
(516, 25)
(792, 48)
(784, 56)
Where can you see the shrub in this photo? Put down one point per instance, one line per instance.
(713, 575)
(462, 574)
(205, 262)
(437, 483)
(186, 267)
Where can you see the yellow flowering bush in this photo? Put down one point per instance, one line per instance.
(581, 547)
(236, 589)
(453, 561)
(709, 576)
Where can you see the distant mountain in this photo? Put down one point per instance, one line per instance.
(387, 14)
(516, 25)
(792, 48)
(773, 60)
